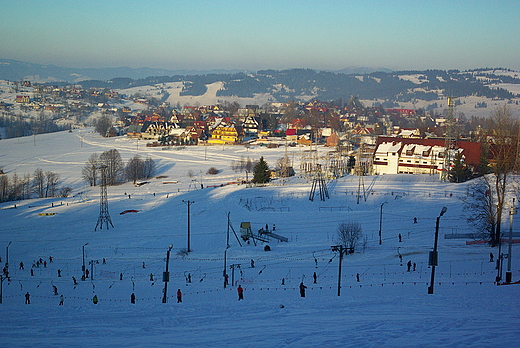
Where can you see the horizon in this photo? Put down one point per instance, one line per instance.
(274, 35)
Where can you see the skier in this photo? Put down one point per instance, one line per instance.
(61, 300)
(151, 277)
(491, 256)
(414, 220)
(409, 264)
(21, 265)
(240, 293)
(55, 289)
(399, 238)
(315, 277)
(86, 273)
(74, 280)
(252, 263)
(357, 277)
(27, 298)
(32, 272)
(302, 289)
(95, 299)
(132, 298)
(59, 272)
(179, 296)
(414, 265)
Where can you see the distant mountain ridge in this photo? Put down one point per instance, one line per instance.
(390, 87)
(14, 70)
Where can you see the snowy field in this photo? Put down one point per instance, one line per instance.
(388, 307)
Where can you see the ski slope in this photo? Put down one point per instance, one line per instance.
(388, 307)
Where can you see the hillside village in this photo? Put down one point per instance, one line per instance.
(379, 140)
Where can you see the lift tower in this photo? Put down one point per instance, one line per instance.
(450, 139)
(104, 216)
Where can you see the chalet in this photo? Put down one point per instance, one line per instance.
(22, 99)
(250, 124)
(226, 134)
(332, 140)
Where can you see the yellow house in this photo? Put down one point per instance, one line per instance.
(224, 135)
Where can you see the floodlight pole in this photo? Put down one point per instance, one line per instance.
(433, 254)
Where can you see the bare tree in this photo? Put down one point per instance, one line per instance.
(137, 169)
(348, 234)
(89, 173)
(503, 141)
(283, 167)
(103, 125)
(134, 169)
(149, 168)
(38, 183)
(114, 166)
(480, 206)
(4, 187)
(51, 184)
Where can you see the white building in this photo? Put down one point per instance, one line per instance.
(399, 158)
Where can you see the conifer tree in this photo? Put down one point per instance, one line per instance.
(261, 173)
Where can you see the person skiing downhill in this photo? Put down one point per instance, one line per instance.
(240, 293)
(179, 296)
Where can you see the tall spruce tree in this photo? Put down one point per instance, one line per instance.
(261, 173)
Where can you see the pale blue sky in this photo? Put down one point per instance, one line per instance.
(265, 34)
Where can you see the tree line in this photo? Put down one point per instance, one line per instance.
(40, 185)
(116, 171)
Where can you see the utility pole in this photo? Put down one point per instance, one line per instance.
(7, 255)
(233, 266)
(188, 203)
(381, 223)
(509, 256)
(225, 252)
(166, 275)
(83, 266)
(342, 250)
(91, 263)
(433, 254)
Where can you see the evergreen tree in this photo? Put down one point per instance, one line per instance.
(261, 173)
(460, 171)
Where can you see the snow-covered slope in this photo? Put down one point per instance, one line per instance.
(388, 307)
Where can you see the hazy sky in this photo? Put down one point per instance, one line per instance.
(263, 34)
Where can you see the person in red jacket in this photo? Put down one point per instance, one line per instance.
(179, 296)
(240, 293)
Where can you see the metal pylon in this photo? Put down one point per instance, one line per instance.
(104, 215)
